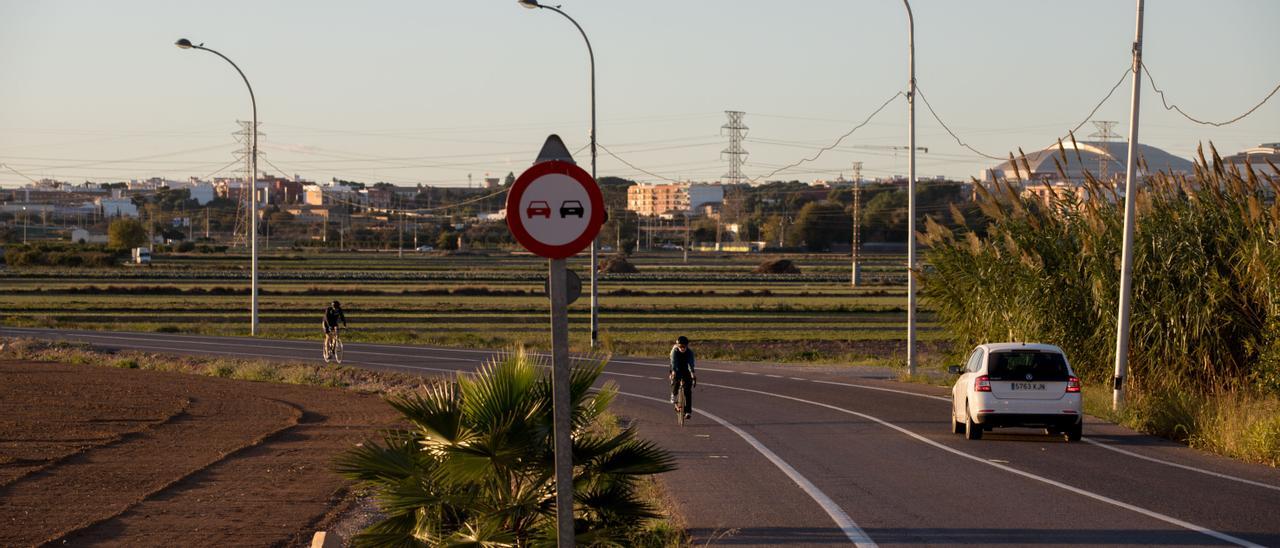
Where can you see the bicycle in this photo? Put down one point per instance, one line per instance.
(333, 346)
(681, 416)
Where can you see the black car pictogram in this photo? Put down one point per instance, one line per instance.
(571, 207)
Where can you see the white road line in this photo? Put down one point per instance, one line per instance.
(647, 364)
(865, 387)
(1086, 440)
(797, 379)
(1108, 447)
(1082, 492)
(846, 524)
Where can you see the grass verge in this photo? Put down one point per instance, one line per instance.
(1235, 424)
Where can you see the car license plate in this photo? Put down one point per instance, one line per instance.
(1027, 386)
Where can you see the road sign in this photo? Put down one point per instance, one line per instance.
(573, 286)
(555, 209)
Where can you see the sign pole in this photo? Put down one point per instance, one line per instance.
(561, 403)
(555, 209)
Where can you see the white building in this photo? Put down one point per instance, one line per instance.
(81, 235)
(117, 207)
(1103, 160)
(1257, 158)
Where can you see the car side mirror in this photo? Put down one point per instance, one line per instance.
(955, 370)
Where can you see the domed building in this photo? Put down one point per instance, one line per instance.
(1104, 160)
(1260, 158)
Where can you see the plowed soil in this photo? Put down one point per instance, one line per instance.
(110, 457)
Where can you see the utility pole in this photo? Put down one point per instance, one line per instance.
(400, 244)
(686, 238)
(1130, 191)
(911, 192)
(719, 217)
(855, 243)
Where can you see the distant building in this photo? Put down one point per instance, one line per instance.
(284, 191)
(331, 194)
(492, 183)
(80, 235)
(1102, 160)
(1256, 158)
(117, 207)
(675, 198)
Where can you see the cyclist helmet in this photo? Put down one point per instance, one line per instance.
(682, 340)
(335, 304)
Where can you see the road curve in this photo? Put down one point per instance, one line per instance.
(823, 456)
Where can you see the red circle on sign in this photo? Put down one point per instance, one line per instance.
(515, 221)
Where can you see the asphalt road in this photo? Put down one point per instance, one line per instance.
(822, 455)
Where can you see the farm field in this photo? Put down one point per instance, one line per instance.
(199, 461)
(496, 301)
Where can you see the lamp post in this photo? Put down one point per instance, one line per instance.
(911, 192)
(595, 295)
(24, 225)
(252, 182)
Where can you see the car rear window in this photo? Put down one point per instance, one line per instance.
(1017, 364)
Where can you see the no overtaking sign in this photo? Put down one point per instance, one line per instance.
(555, 209)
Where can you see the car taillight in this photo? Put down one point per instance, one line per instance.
(982, 384)
(1073, 384)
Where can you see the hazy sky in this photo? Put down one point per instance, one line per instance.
(431, 91)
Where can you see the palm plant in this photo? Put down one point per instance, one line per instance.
(477, 466)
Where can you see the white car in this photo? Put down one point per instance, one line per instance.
(1016, 384)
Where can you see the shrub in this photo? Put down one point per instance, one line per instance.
(125, 363)
(618, 265)
(780, 266)
(126, 233)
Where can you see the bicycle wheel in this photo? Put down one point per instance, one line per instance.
(680, 405)
(337, 350)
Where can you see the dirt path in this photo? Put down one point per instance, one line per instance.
(97, 456)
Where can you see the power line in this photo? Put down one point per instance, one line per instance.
(632, 166)
(833, 145)
(1168, 106)
(23, 175)
(961, 142)
(920, 92)
(1086, 119)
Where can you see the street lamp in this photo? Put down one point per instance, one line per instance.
(911, 192)
(251, 181)
(24, 225)
(595, 295)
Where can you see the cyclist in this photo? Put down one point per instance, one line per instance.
(682, 370)
(332, 316)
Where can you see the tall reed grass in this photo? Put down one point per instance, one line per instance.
(1205, 319)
